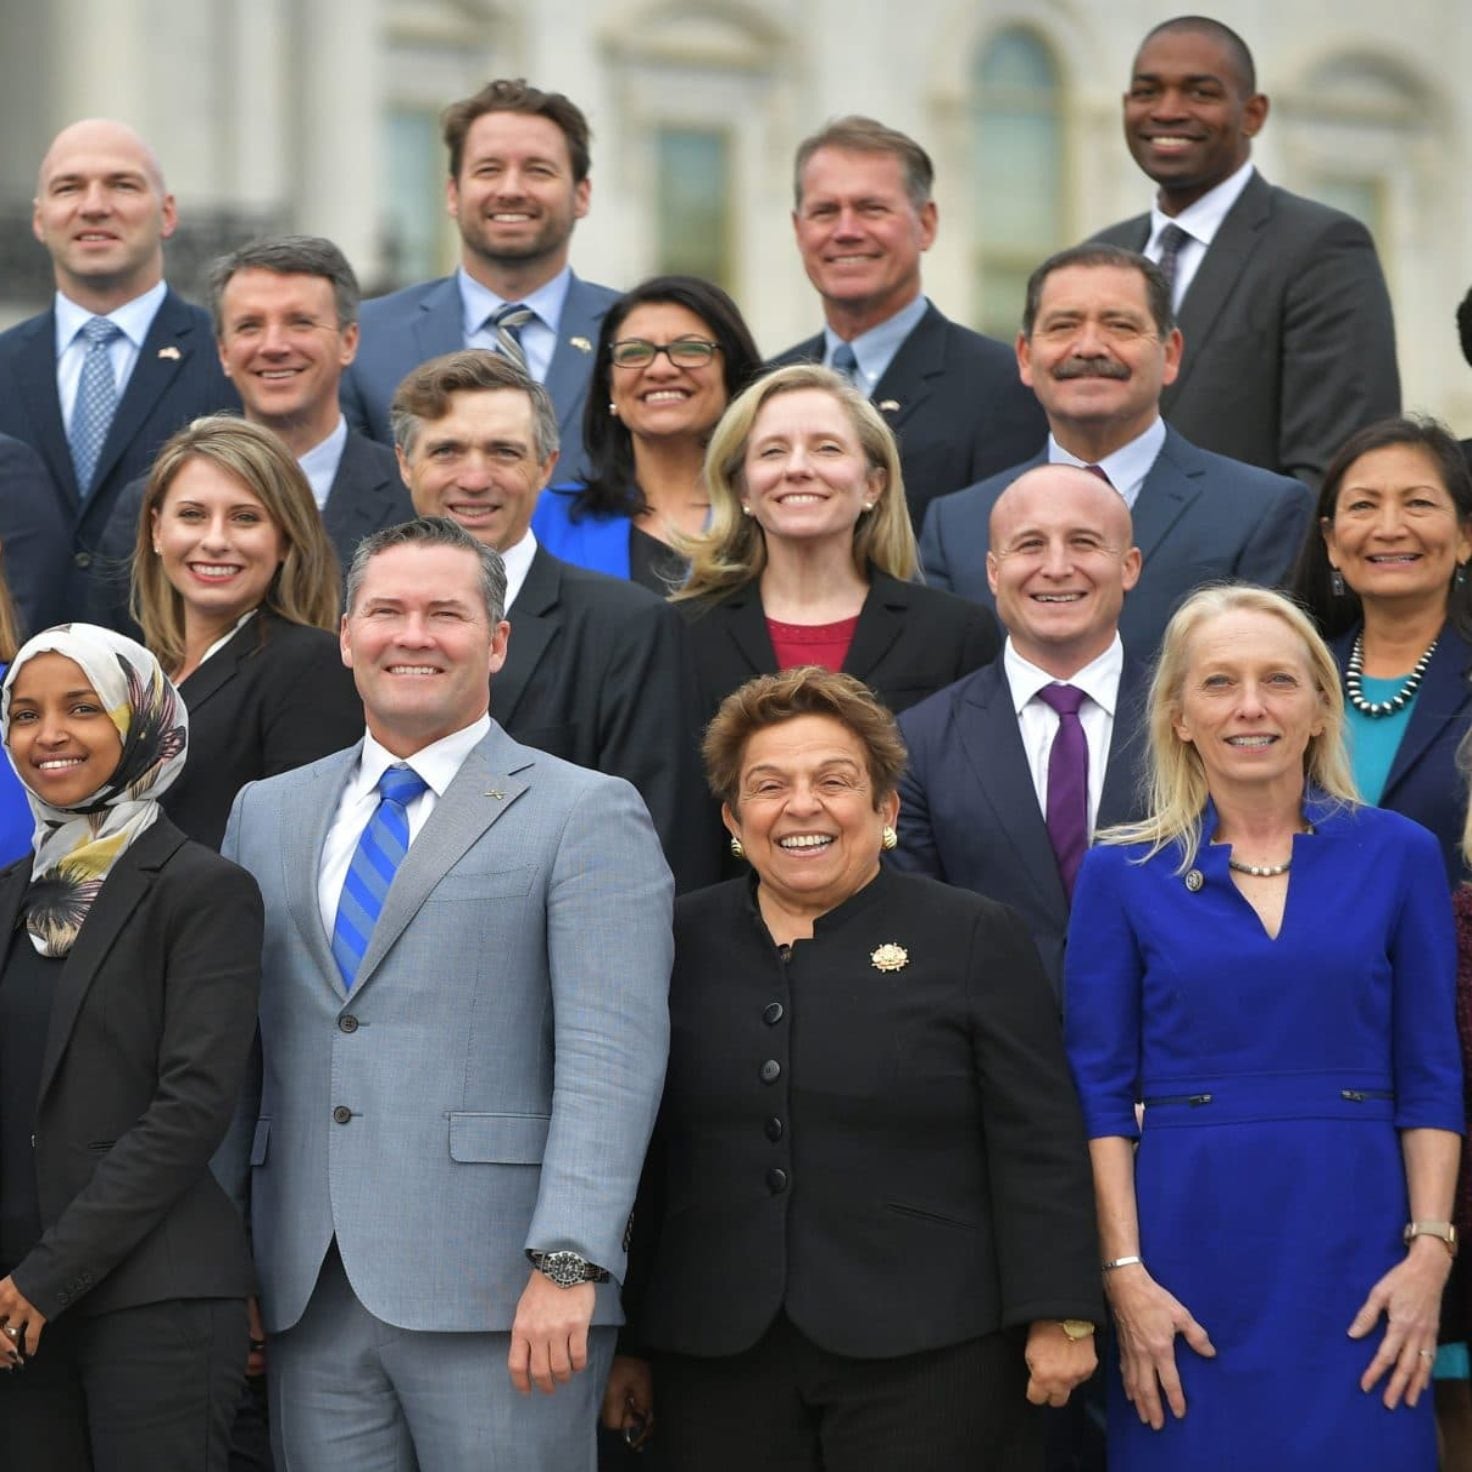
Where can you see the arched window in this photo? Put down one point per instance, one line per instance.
(1018, 172)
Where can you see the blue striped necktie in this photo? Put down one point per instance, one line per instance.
(506, 322)
(376, 860)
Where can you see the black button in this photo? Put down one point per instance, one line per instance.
(772, 1014)
(347, 1024)
(776, 1181)
(773, 1129)
(83, 560)
(342, 1114)
(771, 1071)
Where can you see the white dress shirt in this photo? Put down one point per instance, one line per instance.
(133, 319)
(320, 463)
(1039, 722)
(1200, 221)
(1127, 467)
(438, 763)
(538, 337)
(518, 563)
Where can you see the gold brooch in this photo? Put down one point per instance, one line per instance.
(171, 353)
(581, 344)
(890, 957)
(889, 406)
(1195, 879)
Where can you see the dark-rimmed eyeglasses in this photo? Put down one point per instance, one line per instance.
(684, 352)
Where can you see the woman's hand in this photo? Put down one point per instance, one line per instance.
(21, 1325)
(1409, 1295)
(1147, 1320)
(628, 1399)
(1056, 1363)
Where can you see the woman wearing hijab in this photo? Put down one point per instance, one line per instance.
(127, 1007)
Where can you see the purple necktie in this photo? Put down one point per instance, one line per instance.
(1172, 238)
(1068, 783)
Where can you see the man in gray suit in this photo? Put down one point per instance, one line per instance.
(519, 161)
(1290, 340)
(1098, 345)
(463, 1036)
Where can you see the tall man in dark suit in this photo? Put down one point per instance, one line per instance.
(119, 362)
(1098, 345)
(1290, 340)
(863, 218)
(519, 160)
(286, 323)
(598, 669)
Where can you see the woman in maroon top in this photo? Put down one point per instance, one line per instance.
(809, 553)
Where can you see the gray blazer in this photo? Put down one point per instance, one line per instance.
(1198, 518)
(523, 955)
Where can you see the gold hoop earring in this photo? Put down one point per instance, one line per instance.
(737, 852)
(889, 838)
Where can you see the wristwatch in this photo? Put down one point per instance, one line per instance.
(566, 1269)
(1076, 1329)
(1444, 1230)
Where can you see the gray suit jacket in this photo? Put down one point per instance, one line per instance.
(421, 322)
(491, 1082)
(1199, 518)
(1290, 340)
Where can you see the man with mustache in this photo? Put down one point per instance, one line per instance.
(1098, 346)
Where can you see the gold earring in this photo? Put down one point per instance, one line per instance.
(737, 852)
(889, 838)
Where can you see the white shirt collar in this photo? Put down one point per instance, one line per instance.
(133, 318)
(437, 763)
(320, 463)
(1127, 466)
(477, 302)
(518, 560)
(1099, 679)
(1203, 219)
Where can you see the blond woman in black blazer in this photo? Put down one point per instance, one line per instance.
(128, 993)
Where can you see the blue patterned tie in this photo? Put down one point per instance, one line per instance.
(376, 860)
(845, 361)
(97, 400)
(1172, 238)
(506, 322)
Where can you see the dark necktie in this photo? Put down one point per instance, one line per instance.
(1172, 238)
(1101, 473)
(846, 362)
(506, 322)
(380, 851)
(97, 401)
(1068, 783)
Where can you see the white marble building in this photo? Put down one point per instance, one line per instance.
(321, 115)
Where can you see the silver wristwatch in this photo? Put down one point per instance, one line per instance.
(566, 1269)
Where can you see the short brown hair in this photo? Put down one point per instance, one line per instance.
(856, 134)
(426, 393)
(519, 95)
(807, 690)
(307, 588)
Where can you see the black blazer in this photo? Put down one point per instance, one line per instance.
(598, 672)
(955, 403)
(177, 378)
(36, 536)
(150, 1030)
(910, 641)
(912, 1173)
(968, 811)
(1425, 781)
(276, 697)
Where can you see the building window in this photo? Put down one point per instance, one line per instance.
(414, 200)
(1017, 147)
(694, 203)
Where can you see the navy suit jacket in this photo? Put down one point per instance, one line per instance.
(969, 813)
(177, 378)
(401, 331)
(1290, 339)
(1199, 518)
(955, 403)
(35, 535)
(1425, 782)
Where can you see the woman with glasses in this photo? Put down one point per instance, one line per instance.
(671, 355)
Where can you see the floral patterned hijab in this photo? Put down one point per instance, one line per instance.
(76, 847)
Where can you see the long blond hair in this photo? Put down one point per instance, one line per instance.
(1176, 785)
(732, 551)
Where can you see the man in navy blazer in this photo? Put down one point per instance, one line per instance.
(1290, 339)
(1098, 345)
(519, 160)
(103, 214)
(863, 217)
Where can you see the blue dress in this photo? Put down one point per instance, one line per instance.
(1275, 1075)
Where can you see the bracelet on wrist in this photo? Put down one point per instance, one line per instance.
(1123, 1262)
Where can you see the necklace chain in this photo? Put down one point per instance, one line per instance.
(1261, 871)
(1375, 709)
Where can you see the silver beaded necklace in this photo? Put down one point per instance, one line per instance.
(1375, 709)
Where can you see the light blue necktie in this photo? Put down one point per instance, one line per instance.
(97, 401)
(846, 362)
(376, 860)
(506, 322)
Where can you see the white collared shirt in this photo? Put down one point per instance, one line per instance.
(438, 763)
(1038, 721)
(227, 636)
(538, 337)
(875, 349)
(1200, 221)
(1126, 467)
(518, 561)
(320, 463)
(133, 319)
